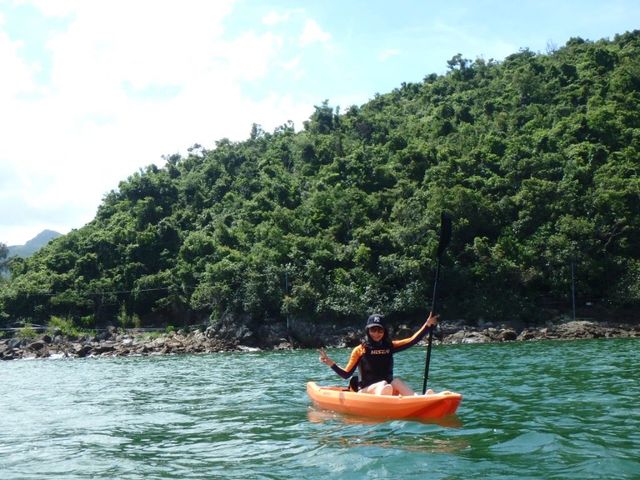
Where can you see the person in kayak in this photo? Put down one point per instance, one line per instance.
(374, 358)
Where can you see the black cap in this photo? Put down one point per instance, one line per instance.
(375, 320)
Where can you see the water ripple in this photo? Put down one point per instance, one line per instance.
(553, 410)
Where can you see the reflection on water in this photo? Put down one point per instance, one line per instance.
(387, 434)
(320, 416)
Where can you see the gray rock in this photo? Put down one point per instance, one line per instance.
(81, 350)
(104, 335)
(37, 345)
(507, 335)
(15, 342)
(526, 335)
(465, 337)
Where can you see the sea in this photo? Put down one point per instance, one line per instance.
(531, 410)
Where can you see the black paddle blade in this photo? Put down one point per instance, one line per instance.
(445, 233)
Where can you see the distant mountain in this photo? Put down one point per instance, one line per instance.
(33, 245)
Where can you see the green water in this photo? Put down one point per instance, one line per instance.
(531, 410)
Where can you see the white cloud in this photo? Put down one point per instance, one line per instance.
(274, 18)
(312, 33)
(252, 55)
(294, 68)
(17, 77)
(59, 8)
(388, 53)
(74, 138)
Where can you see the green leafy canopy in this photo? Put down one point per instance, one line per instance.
(535, 157)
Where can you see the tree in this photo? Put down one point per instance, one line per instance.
(535, 157)
(4, 252)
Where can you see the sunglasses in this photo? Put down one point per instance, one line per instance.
(376, 329)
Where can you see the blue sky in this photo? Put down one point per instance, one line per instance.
(91, 91)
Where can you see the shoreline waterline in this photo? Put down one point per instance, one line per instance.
(119, 343)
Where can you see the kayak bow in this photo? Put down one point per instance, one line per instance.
(341, 400)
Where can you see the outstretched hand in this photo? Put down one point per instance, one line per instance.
(324, 358)
(432, 320)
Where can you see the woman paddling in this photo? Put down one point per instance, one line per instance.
(374, 358)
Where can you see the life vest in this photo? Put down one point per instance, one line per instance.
(376, 364)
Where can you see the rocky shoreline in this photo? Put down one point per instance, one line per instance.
(113, 342)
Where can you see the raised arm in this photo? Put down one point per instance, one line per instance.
(346, 372)
(399, 345)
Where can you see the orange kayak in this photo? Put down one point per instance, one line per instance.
(342, 400)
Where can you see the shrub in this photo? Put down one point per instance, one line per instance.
(66, 326)
(27, 332)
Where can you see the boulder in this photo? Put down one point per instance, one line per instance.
(104, 335)
(15, 342)
(507, 335)
(466, 336)
(104, 347)
(81, 350)
(7, 353)
(579, 329)
(37, 345)
(527, 335)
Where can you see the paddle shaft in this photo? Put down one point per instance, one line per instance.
(445, 236)
(430, 341)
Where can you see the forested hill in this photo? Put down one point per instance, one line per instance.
(537, 159)
(33, 245)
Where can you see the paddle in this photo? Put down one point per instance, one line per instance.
(445, 236)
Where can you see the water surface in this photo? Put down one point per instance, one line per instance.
(538, 410)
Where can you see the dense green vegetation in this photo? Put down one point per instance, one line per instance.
(4, 254)
(536, 158)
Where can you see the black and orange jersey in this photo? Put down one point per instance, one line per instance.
(376, 362)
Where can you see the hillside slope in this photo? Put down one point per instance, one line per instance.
(33, 245)
(536, 158)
